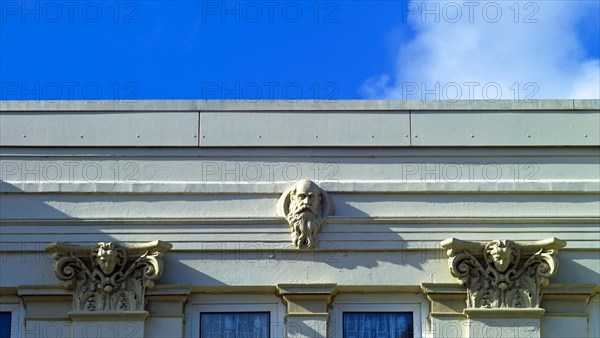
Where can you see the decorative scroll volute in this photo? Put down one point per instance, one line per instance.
(109, 276)
(503, 274)
(305, 206)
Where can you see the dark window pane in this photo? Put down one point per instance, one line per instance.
(235, 325)
(5, 318)
(378, 324)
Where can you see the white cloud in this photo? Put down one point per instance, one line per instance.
(490, 50)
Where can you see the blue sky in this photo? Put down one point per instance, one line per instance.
(247, 50)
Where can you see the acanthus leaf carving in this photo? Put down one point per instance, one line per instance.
(497, 275)
(305, 206)
(108, 276)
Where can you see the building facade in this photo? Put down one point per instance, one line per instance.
(300, 219)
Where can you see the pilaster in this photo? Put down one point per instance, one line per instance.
(307, 309)
(447, 305)
(504, 280)
(108, 283)
(166, 305)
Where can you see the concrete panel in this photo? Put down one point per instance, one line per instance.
(275, 129)
(514, 128)
(448, 327)
(95, 129)
(158, 327)
(553, 326)
(47, 328)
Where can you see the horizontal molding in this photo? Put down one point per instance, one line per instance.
(277, 105)
(354, 187)
(409, 246)
(566, 314)
(333, 228)
(279, 220)
(330, 249)
(260, 205)
(301, 152)
(285, 251)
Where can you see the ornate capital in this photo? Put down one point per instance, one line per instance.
(305, 206)
(503, 274)
(109, 276)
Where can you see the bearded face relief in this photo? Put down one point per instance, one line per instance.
(305, 200)
(305, 216)
(305, 206)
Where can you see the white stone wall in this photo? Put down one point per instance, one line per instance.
(206, 177)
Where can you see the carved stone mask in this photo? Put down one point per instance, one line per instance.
(106, 257)
(305, 206)
(501, 254)
(305, 199)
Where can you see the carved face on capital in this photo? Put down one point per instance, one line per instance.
(305, 199)
(501, 254)
(106, 257)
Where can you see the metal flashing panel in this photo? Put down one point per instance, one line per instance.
(308, 128)
(300, 124)
(505, 128)
(96, 129)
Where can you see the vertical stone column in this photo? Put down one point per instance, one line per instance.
(447, 306)
(307, 309)
(166, 306)
(47, 311)
(504, 281)
(570, 306)
(109, 283)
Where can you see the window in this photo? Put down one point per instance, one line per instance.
(377, 324)
(11, 318)
(235, 316)
(378, 316)
(235, 324)
(5, 324)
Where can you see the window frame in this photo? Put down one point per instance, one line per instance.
(232, 304)
(416, 304)
(17, 324)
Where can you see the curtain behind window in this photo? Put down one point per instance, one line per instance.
(235, 325)
(378, 325)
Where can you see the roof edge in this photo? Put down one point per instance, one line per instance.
(298, 105)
